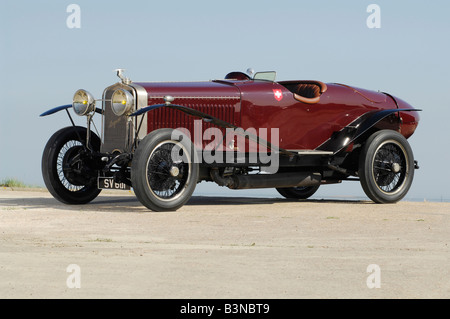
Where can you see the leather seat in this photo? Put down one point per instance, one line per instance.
(306, 91)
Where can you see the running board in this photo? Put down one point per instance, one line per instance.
(311, 152)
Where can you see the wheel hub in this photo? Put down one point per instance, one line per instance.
(395, 167)
(174, 171)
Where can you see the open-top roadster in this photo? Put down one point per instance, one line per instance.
(244, 131)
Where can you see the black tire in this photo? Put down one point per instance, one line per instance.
(386, 167)
(160, 182)
(62, 147)
(298, 192)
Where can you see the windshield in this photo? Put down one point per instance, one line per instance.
(265, 76)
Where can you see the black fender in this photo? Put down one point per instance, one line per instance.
(56, 109)
(343, 138)
(64, 107)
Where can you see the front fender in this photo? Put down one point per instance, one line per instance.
(64, 107)
(56, 109)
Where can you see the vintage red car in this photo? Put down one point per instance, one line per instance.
(244, 131)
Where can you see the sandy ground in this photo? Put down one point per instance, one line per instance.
(222, 248)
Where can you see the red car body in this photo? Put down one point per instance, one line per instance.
(319, 134)
(253, 104)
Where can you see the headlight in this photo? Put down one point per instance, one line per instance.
(122, 102)
(83, 102)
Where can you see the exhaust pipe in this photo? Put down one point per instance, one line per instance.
(279, 180)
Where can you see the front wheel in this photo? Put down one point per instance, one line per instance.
(386, 167)
(68, 171)
(164, 171)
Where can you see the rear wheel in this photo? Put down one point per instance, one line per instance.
(68, 174)
(298, 192)
(164, 171)
(386, 167)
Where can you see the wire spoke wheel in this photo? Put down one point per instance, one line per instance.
(167, 178)
(164, 171)
(64, 158)
(386, 167)
(67, 175)
(390, 167)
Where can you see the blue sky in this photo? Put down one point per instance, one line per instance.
(43, 63)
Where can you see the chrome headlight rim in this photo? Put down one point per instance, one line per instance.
(122, 102)
(83, 102)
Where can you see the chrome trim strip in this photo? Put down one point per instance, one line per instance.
(141, 102)
(311, 152)
(199, 97)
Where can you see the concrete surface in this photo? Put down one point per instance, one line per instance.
(222, 248)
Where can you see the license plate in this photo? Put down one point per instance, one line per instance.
(109, 183)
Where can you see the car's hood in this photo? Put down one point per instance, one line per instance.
(207, 89)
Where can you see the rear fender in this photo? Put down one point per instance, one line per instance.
(342, 139)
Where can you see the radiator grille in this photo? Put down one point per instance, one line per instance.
(224, 109)
(115, 131)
